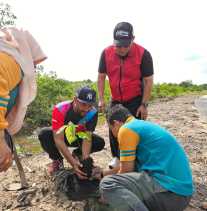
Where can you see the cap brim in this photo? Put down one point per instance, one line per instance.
(122, 43)
(83, 101)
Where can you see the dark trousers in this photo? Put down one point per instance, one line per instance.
(132, 106)
(139, 191)
(48, 144)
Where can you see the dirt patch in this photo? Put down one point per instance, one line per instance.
(177, 115)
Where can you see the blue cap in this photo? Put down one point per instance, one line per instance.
(86, 95)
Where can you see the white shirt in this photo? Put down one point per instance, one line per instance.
(22, 46)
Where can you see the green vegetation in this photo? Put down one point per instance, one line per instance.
(27, 145)
(173, 90)
(52, 90)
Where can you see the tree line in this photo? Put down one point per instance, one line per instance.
(52, 90)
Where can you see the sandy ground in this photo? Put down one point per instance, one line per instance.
(178, 115)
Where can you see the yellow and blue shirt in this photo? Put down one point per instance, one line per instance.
(10, 77)
(156, 151)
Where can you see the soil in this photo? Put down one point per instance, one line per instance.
(177, 115)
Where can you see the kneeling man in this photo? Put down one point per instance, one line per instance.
(73, 123)
(154, 172)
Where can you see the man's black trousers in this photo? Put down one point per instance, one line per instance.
(48, 144)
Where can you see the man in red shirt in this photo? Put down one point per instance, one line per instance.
(129, 68)
(73, 124)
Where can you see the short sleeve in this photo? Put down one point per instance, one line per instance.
(102, 63)
(128, 142)
(4, 100)
(57, 119)
(147, 64)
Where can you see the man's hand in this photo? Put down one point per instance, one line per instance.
(5, 156)
(142, 112)
(76, 166)
(101, 105)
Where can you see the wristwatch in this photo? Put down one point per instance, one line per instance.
(145, 104)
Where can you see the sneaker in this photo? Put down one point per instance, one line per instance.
(55, 166)
(114, 163)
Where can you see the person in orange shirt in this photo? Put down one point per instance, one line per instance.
(154, 171)
(19, 54)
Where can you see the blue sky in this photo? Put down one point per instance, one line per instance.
(74, 33)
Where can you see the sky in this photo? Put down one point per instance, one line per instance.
(74, 33)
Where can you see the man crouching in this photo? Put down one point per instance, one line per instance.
(154, 172)
(73, 123)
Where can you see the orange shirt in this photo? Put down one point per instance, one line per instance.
(128, 142)
(10, 76)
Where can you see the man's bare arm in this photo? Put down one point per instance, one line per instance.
(59, 141)
(5, 153)
(101, 88)
(142, 110)
(127, 166)
(148, 83)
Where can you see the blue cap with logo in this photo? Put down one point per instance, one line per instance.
(86, 95)
(123, 34)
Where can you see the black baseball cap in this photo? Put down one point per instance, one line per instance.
(123, 34)
(86, 95)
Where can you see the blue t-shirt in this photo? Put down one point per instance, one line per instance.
(159, 153)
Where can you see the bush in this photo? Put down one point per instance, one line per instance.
(52, 90)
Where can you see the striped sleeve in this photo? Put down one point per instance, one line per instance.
(4, 100)
(128, 141)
